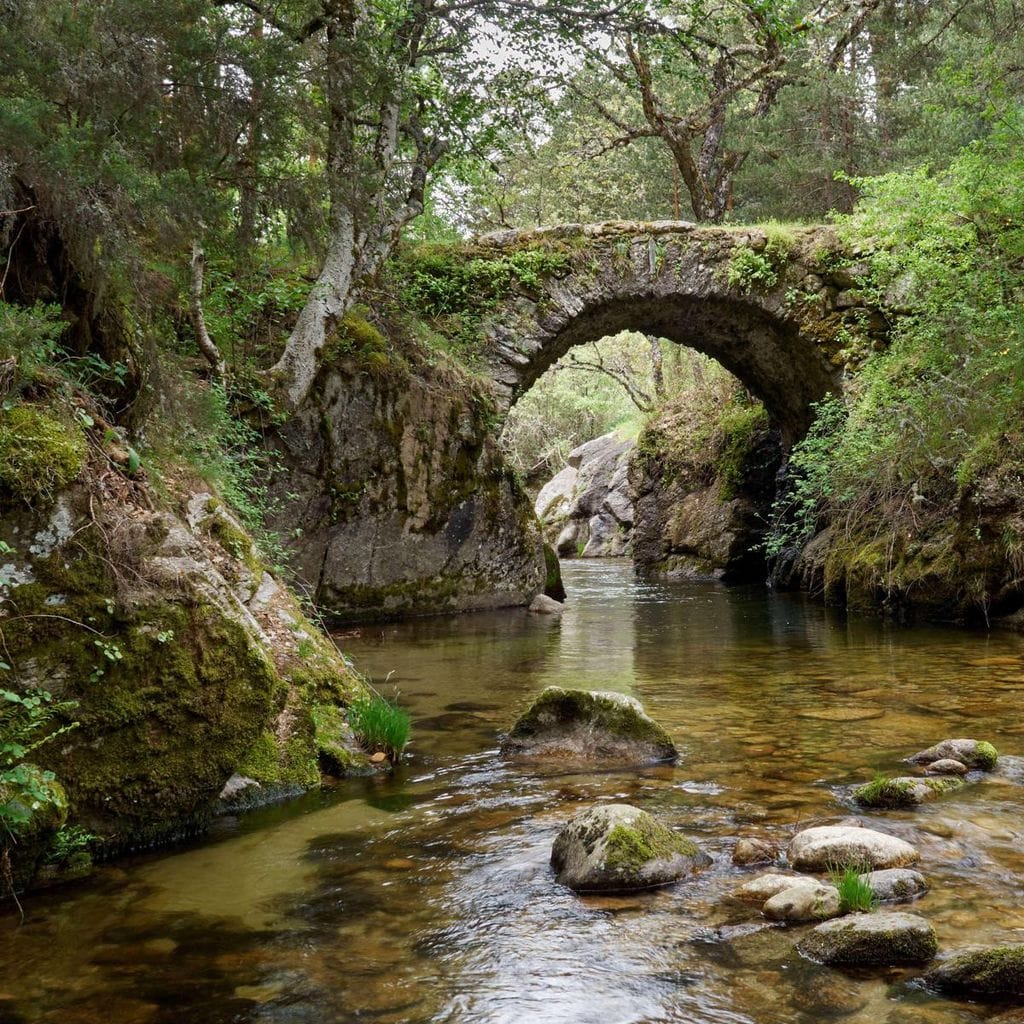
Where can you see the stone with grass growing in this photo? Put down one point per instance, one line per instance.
(380, 725)
(855, 892)
(620, 848)
(904, 791)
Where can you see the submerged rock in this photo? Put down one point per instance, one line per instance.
(905, 791)
(973, 753)
(896, 885)
(544, 605)
(818, 849)
(619, 848)
(808, 900)
(591, 725)
(750, 850)
(882, 939)
(995, 973)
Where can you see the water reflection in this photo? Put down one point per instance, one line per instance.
(426, 896)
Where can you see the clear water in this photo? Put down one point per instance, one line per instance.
(427, 896)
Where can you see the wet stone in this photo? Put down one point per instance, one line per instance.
(880, 939)
(750, 850)
(764, 887)
(896, 885)
(619, 848)
(996, 973)
(904, 791)
(808, 901)
(946, 766)
(973, 753)
(818, 849)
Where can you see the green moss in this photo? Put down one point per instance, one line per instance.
(885, 792)
(985, 756)
(39, 454)
(629, 847)
(997, 972)
(553, 586)
(740, 427)
(271, 762)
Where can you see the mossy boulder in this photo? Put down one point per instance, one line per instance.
(862, 940)
(973, 753)
(619, 848)
(818, 849)
(990, 974)
(589, 726)
(904, 791)
(35, 821)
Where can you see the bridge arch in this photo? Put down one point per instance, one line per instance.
(779, 310)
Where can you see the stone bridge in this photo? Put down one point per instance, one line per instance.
(778, 307)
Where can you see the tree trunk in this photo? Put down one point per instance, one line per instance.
(206, 344)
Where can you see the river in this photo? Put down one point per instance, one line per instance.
(426, 896)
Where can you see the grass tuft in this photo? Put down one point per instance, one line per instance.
(380, 725)
(855, 894)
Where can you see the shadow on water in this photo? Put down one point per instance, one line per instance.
(426, 896)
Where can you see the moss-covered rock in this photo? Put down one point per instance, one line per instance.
(616, 847)
(973, 753)
(904, 791)
(591, 726)
(881, 939)
(991, 974)
(553, 586)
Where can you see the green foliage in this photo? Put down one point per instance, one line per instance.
(29, 335)
(928, 419)
(380, 725)
(749, 270)
(855, 894)
(27, 722)
(740, 426)
(39, 454)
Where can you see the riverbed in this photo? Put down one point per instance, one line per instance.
(426, 896)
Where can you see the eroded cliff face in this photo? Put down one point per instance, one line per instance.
(396, 499)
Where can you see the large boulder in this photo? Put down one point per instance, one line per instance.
(591, 726)
(905, 791)
(973, 753)
(882, 939)
(586, 509)
(619, 848)
(996, 973)
(824, 847)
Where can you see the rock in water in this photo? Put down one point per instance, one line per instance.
(882, 939)
(544, 605)
(750, 850)
(808, 900)
(619, 848)
(996, 973)
(896, 885)
(818, 849)
(764, 887)
(973, 753)
(946, 766)
(589, 725)
(905, 791)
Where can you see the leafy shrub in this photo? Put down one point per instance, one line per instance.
(380, 725)
(748, 269)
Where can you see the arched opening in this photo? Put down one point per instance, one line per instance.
(633, 445)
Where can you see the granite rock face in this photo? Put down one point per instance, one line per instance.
(586, 510)
(396, 499)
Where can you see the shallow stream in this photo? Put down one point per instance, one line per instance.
(427, 896)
